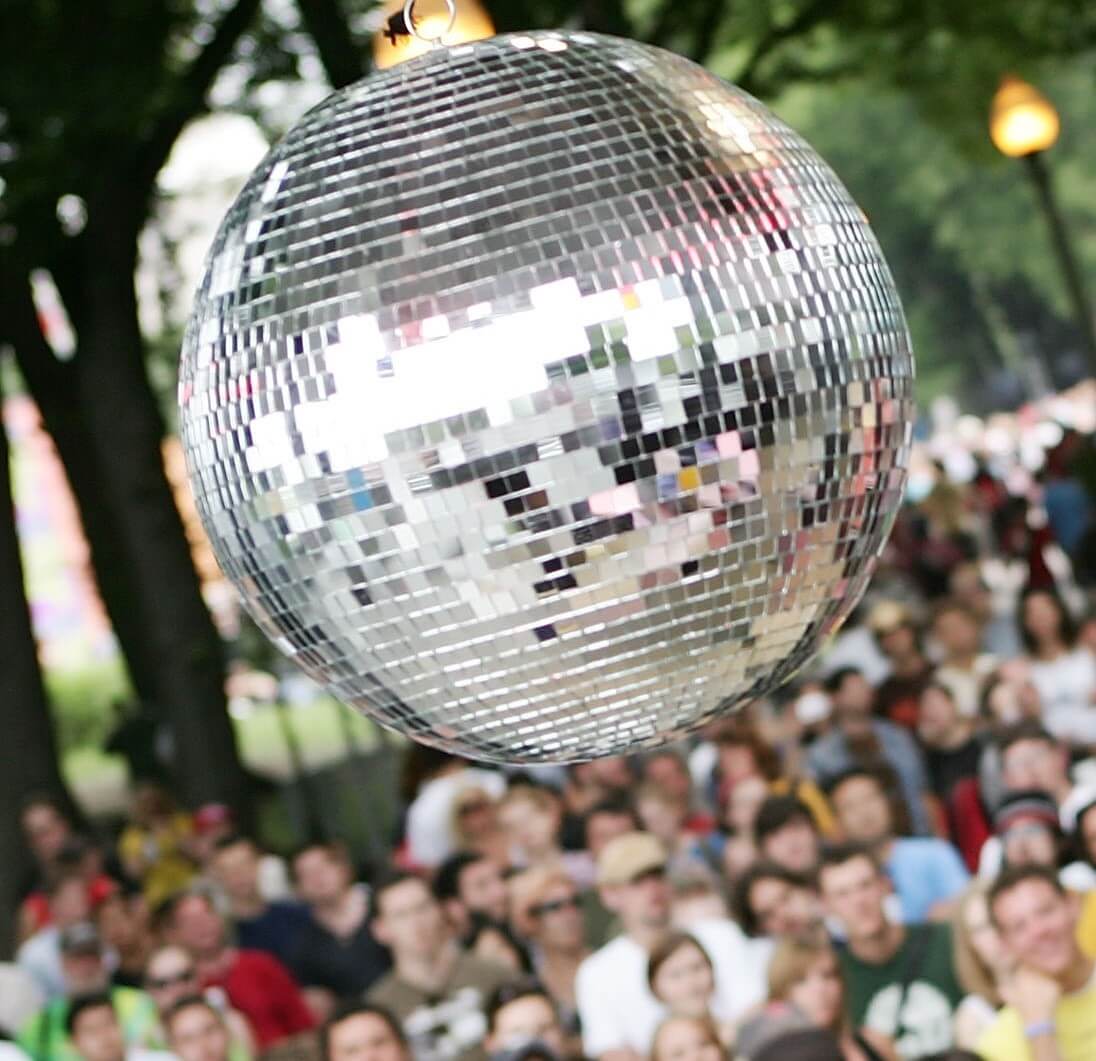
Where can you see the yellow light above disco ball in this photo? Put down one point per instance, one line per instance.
(435, 23)
(546, 395)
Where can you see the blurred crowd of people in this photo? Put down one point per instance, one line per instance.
(893, 859)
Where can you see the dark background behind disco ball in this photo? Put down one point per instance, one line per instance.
(545, 393)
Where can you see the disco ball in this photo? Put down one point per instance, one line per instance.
(546, 396)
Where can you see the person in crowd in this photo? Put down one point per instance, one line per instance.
(858, 738)
(171, 975)
(215, 822)
(963, 667)
(335, 952)
(468, 883)
(95, 1032)
(1063, 672)
(546, 909)
(738, 817)
(953, 750)
(360, 1031)
(436, 989)
(122, 919)
(681, 1038)
(1078, 819)
(1000, 635)
(900, 979)
(897, 698)
(495, 943)
(255, 983)
(1050, 1013)
(432, 781)
(681, 976)
(46, 1038)
(805, 974)
(607, 819)
(927, 873)
(531, 817)
(773, 901)
(981, 963)
(196, 1031)
(156, 847)
(520, 1015)
(664, 814)
(585, 786)
(785, 833)
(476, 827)
(668, 769)
(41, 954)
(617, 1009)
(1026, 823)
(696, 897)
(259, 923)
(20, 999)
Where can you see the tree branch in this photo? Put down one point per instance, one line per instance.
(809, 16)
(342, 57)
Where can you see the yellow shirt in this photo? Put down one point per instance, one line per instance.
(813, 798)
(1074, 1019)
(1086, 925)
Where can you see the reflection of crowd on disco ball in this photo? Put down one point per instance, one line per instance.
(893, 857)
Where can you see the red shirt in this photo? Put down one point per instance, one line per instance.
(260, 987)
(36, 910)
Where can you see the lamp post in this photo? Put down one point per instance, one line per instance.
(1023, 124)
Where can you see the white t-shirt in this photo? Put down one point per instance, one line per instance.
(1066, 686)
(618, 1009)
(430, 839)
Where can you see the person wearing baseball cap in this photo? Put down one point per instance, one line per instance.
(1027, 823)
(615, 1003)
(893, 627)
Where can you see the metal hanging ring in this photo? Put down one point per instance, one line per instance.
(409, 22)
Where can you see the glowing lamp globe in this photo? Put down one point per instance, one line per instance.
(545, 397)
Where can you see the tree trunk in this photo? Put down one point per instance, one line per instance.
(127, 430)
(30, 766)
(53, 388)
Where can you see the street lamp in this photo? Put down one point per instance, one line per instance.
(1023, 124)
(445, 22)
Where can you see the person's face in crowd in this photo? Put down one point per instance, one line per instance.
(852, 704)
(198, 1034)
(737, 762)
(1034, 764)
(863, 810)
(612, 772)
(957, 634)
(985, 940)
(1086, 829)
(84, 971)
(482, 890)
(1037, 925)
(236, 869)
(1041, 618)
(170, 976)
(527, 1019)
(686, 1039)
(781, 908)
(46, 831)
(476, 814)
(1029, 842)
(643, 904)
(364, 1037)
(410, 920)
(662, 816)
(197, 927)
(97, 1035)
(492, 946)
(966, 585)
(853, 892)
(122, 922)
(69, 902)
(743, 803)
(557, 918)
(938, 718)
(685, 983)
(1013, 700)
(820, 993)
(899, 643)
(322, 876)
(671, 775)
(604, 826)
(530, 826)
(793, 846)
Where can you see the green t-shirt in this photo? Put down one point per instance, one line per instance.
(44, 1036)
(874, 992)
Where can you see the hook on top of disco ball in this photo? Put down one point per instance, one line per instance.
(435, 41)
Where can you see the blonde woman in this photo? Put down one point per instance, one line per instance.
(982, 965)
(804, 973)
(681, 976)
(687, 1039)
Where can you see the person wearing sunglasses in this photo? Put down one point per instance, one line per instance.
(170, 977)
(546, 909)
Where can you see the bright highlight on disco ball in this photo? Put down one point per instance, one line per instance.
(546, 395)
